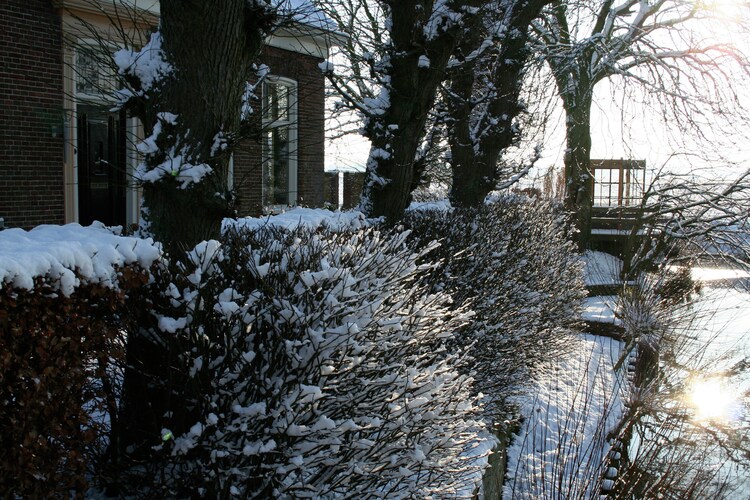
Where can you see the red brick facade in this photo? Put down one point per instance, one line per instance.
(31, 114)
(32, 97)
(304, 70)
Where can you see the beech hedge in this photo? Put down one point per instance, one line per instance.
(55, 351)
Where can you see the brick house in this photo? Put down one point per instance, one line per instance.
(65, 157)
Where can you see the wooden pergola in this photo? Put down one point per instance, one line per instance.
(618, 183)
(617, 192)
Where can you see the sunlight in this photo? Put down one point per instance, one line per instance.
(727, 9)
(712, 399)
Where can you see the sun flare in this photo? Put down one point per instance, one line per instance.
(711, 399)
(727, 9)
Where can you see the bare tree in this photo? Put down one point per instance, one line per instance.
(414, 45)
(486, 50)
(653, 44)
(483, 96)
(691, 218)
(363, 21)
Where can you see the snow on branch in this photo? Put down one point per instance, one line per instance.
(142, 69)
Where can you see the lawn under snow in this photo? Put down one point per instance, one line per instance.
(561, 449)
(601, 268)
(600, 309)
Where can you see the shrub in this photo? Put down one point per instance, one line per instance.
(511, 262)
(313, 365)
(54, 348)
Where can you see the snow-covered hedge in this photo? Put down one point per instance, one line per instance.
(320, 370)
(63, 296)
(64, 257)
(513, 264)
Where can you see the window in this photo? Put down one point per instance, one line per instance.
(94, 75)
(279, 142)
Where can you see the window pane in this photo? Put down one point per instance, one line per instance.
(282, 103)
(277, 102)
(277, 166)
(93, 75)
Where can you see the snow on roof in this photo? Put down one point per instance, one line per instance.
(312, 218)
(305, 12)
(69, 255)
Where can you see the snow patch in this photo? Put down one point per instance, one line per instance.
(600, 309)
(70, 255)
(311, 218)
(567, 417)
(601, 268)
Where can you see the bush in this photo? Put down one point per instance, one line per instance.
(511, 262)
(54, 349)
(311, 364)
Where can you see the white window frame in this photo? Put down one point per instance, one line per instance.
(107, 76)
(292, 124)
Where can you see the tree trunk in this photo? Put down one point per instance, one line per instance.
(395, 133)
(475, 161)
(211, 50)
(578, 175)
(472, 176)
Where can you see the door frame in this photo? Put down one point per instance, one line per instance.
(133, 132)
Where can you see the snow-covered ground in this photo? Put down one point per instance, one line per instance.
(600, 309)
(601, 268)
(312, 218)
(561, 448)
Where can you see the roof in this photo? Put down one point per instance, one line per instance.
(306, 13)
(311, 32)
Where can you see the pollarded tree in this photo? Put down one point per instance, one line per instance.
(421, 38)
(187, 87)
(474, 116)
(654, 44)
(483, 96)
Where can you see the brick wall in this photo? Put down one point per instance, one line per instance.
(331, 189)
(311, 134)
(31, 100)
(353, 183)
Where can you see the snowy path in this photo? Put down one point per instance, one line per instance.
(560, 450)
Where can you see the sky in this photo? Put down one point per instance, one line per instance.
(628, 130)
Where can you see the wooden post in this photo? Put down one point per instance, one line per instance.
(620, 185)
